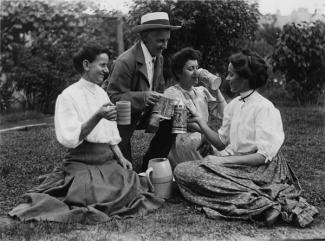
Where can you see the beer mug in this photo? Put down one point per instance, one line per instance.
(123, 109)
(208, 79)
(164, 108)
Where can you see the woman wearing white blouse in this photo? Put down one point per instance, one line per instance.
(249, 178)
(96, 181)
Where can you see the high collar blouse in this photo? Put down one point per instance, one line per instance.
(74, 106)
(250, 126)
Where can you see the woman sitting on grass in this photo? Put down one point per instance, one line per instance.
(249, 179)
(184, 147)
(96, 181)
(185, 70)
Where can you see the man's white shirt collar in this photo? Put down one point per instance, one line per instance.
(147, 56)
(149, 63)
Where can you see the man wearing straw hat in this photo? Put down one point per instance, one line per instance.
(137, 75)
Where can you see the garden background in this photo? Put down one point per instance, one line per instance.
(38, 39)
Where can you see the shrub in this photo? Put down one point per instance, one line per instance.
(266, 37)
(300, 54)
(39, 39)
(6, 91)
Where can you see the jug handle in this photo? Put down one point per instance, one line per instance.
(148, 173)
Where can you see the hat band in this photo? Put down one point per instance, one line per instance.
(158, 21)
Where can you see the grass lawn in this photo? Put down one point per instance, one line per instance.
(24, 155)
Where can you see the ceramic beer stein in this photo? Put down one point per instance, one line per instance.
(160, 176)
(180, 119)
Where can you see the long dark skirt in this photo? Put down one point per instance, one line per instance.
(242, 192)
(89, 188)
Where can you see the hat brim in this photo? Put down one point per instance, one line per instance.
(144, 27)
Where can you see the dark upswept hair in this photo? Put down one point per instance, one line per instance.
(250, 65)
(88, 52)
(179, 59)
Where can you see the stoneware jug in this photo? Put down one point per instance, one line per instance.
(160, 176)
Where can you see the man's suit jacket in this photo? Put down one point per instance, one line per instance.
(129, 80)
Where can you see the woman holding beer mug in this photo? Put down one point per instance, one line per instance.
(185, 68)
(251, 179)
(96, 181)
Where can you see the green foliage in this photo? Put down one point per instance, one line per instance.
(300, 54)
(6, 92)
(39, 40)
(216, 28)
(268, 31)
(277, 94)
(266, 37)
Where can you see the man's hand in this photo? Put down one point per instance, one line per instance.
(151, 97)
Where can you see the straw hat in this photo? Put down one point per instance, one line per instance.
(155, 20)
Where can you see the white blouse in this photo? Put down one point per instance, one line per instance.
(74, 106)
(252, 125)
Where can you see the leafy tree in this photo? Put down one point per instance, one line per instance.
(6, 93)
(39, 39)
(266, 36)
(216, 28)
(269, 31)
(300, 54)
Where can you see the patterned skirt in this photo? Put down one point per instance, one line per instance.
(89, 188)
(244, 192)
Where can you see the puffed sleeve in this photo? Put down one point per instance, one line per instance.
(115, 135)
(67, 125)
(269, 132)
(224, 131)
(172, 93)
(208, 96)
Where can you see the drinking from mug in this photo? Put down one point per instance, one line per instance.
(208, 79)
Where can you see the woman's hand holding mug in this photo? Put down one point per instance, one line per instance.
(107, 111)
